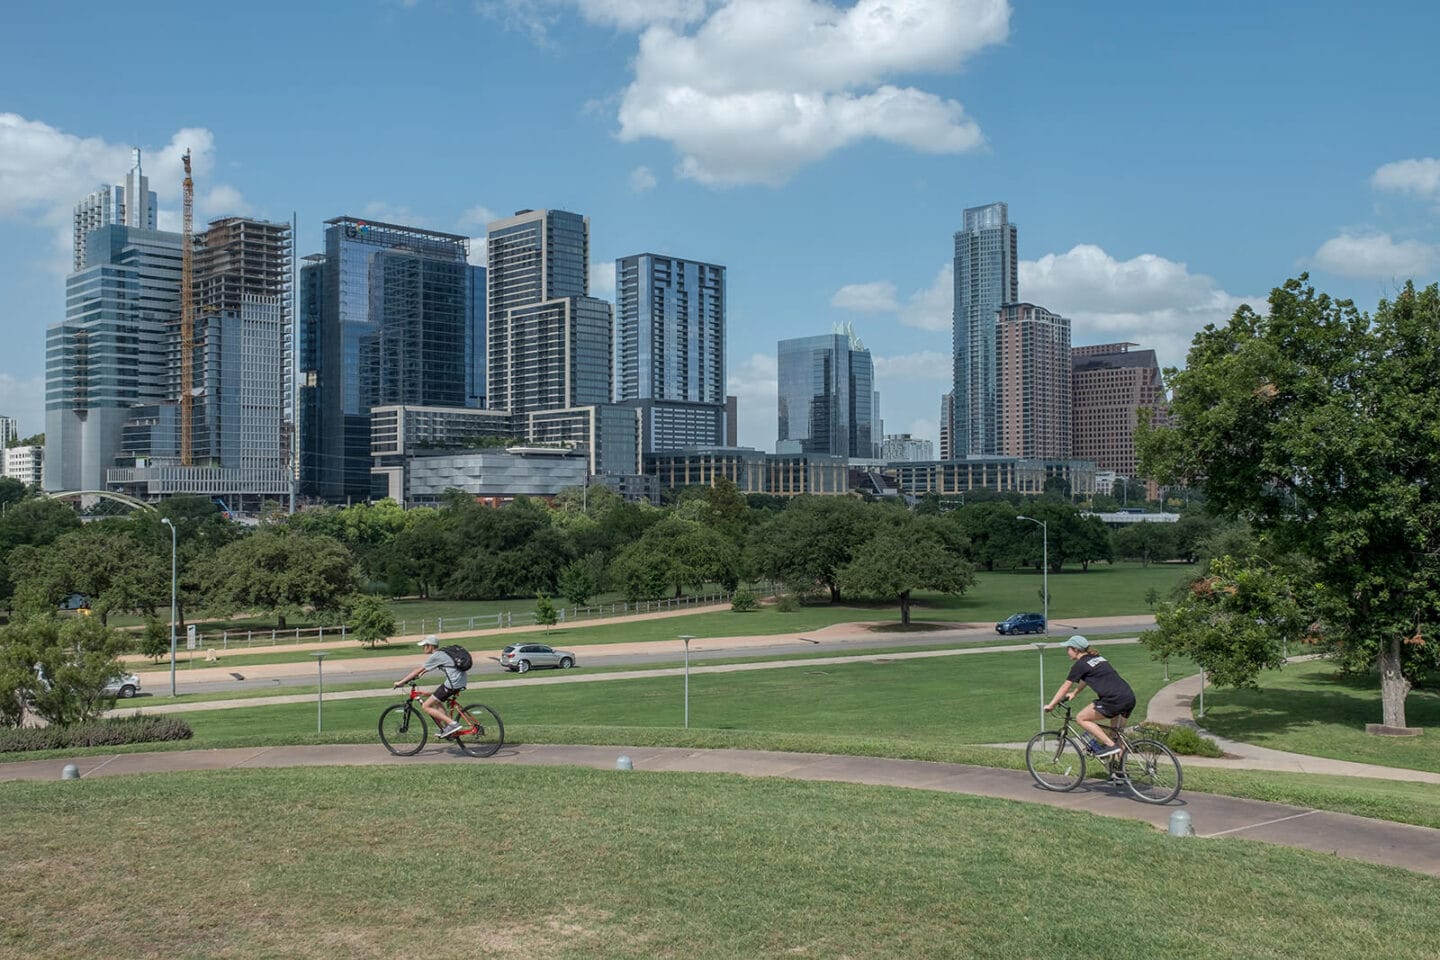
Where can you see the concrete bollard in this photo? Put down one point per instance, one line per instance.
(71, 772)
(623, 762)
(1180, 825)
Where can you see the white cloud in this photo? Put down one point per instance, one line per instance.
(1420, 177)
(1148, 300)
(24, 399)
(398, 214)
(642, 179)
(602, 279)
(925, 365)
(635, 14)
(932, 308)
(477, 216)
(754, 382)
(45, 171)
(1375, 256)
(876, 297)
(762, 88)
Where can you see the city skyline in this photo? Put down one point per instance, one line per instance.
(1171, 189)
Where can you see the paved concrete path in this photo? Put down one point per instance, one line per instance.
(1359, 838)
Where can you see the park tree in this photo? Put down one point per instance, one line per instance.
(902, 557)
(674, 554)
(1146, 542)
(996, 540)
(811, 540)
(283, 572)
(11, 491)
(58, 667)
(102, 562)
(545, 613)
(370, 619)
(1319, 426)
(424, 553)
(580, 579)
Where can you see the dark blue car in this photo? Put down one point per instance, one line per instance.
(1021, 623)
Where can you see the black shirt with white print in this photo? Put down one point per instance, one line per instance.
(1100, 676)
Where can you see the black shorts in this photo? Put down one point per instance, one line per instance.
(443, 693)
(1110, 709)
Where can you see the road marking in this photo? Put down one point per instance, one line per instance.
(1266, 823)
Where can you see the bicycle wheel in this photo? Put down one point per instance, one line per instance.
(1055, 762)
(489, 732)
(1151, 771)
(403, 730)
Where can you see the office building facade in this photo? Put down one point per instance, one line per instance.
(549, 344)
(1032, 360)
(986, 276)
(902, 446)
(826, 396)
(1111, 383)
(131, 204)
(26, 464)
(670, 347)
(111, 353)
(9, 431)
(386, 317)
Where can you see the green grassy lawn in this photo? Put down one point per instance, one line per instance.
(1311, 708)
(547, 863)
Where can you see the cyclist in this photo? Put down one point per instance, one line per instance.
(1114, 698)
(455, 681)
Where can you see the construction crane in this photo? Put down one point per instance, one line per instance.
(187, 316)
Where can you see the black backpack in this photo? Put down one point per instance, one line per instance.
(460, 655)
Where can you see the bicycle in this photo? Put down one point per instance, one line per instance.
(1056, 759)
(405, 728)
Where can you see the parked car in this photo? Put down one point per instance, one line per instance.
(520, 657)
(123, 687)
(1021, 623)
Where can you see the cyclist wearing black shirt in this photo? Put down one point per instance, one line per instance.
(1114, 698)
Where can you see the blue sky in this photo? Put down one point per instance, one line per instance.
(1164, 162)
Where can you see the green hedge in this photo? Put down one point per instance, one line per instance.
(98, 733)
(1181, 739)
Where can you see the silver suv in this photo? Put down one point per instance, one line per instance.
(123, 687)
(520, 657)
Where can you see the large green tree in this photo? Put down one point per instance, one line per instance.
(284, 572)
(1320, 426)
(908, 554)
(811, 540)
(57, 668)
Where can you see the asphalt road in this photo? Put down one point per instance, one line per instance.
(835, 641)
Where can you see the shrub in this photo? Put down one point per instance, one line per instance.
(1181, 739)
(743, 600)
(787, 603)
(97, 733)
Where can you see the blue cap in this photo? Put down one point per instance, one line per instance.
(1078, 642)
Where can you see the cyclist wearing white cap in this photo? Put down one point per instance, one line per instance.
(1114, 698)
(455, 681)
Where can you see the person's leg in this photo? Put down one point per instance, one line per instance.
(433, 707)
(1090, 718)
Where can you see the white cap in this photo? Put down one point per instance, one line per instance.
(430, 641)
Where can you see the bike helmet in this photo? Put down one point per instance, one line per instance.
(1078, 642)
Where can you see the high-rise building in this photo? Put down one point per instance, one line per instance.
(131, 205)
(670, 348)
(9, 431)
(1111, 384)
(111, 352)
(1032, 360)
(947, 425)
(826, 396)
(986, 276)
(386, 317)
(549, 344)
(25, 464)
(902, 446)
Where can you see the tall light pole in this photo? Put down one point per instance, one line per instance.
(1044, 569)
(166, 521)
(687, 638)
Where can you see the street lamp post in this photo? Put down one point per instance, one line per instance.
(1041, 648)
(1044, 570)
(168, 523)
(687, 638)
(320, 656)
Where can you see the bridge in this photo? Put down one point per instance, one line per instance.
(79, 497)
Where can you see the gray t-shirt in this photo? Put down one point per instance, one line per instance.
(454, 679)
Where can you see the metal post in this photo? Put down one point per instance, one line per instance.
(687, 638)
(1201, 714)
(1044, 570)
(319, 656)
(166, 521)
(1041, 648)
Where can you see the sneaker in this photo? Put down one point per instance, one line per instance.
(452, 729)
(1102, 751)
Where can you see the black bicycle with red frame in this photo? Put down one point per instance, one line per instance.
(405, 728)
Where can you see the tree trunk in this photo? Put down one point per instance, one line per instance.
(281, 619)
(905, 608)
(834, 593)
(1393, 685)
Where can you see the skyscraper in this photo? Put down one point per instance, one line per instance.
(986, 276)
(826, 396)
(1111, 385)
(386, 317)
(548, 341)
(670, 348)
(9, 431)
(130, 205)
(1032, 359)
(112, 351)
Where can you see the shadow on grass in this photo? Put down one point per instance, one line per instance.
(1305, 702)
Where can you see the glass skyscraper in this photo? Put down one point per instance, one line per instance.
(826, 396)
(386, 317)
(670, 348)
(986, 276)
(548, 341)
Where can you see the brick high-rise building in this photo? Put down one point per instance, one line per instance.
(1110, 384)
(1032, 377)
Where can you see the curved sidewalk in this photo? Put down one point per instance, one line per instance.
(1359, 838)
(1172, 706)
